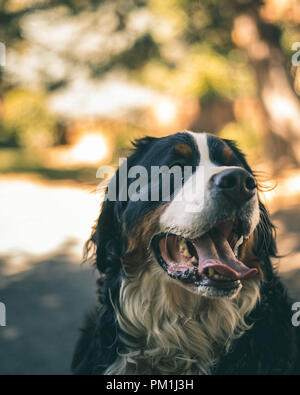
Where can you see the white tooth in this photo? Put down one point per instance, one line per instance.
(183, 248)
(194, 260)
(211, 272)
(217, 276)
(182, 245)
(237, 244)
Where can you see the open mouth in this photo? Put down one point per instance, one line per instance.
(209, 261)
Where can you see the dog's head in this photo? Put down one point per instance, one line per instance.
(186, 207)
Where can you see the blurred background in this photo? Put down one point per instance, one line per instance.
(81, 79)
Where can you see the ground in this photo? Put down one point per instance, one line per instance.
(46, 289)
(45, 308)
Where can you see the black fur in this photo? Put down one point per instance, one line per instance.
(271, 346)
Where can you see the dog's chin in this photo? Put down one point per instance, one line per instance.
(212, 291)
(206, 288)
(207, 265)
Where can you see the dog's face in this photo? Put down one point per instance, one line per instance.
(186, 207)
(202, 229)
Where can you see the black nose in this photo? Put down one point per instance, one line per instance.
(237, 184)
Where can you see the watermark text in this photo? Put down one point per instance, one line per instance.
(2, 314)
(2, 54)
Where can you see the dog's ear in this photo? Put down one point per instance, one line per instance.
(104, 246)
(265, 241)
(107, 235)
(260, 247)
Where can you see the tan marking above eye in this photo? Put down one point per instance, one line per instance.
(227, 152)
(183, 149)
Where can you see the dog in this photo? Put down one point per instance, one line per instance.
(186, 281)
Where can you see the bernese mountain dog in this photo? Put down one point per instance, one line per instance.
(183, 247)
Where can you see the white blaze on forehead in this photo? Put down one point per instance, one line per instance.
(189, 200)
(202, 144)
(206, 168)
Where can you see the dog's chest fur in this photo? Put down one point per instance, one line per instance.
(168, 330)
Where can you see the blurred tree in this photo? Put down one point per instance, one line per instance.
(234, 56)
(255, 31)
(26, 120)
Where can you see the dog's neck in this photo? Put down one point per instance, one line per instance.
(169, 330)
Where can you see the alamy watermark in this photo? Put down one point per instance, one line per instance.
(2, 54)
(296, 315)
(2, 314)
(296, 55)
(155, 183)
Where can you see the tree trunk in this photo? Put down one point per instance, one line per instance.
(280, 104)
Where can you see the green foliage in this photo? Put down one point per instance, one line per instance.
(182, 47)
(186, 42)
(26, 120)
(203, 73)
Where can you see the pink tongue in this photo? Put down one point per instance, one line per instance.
(214, 251)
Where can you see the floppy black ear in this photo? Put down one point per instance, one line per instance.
(264, 234)
(107, 238)
(265, 241)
